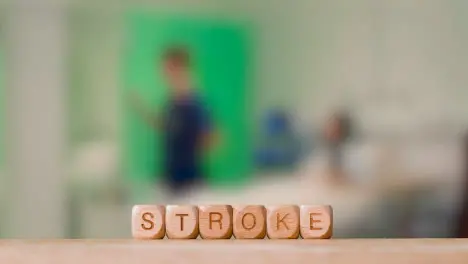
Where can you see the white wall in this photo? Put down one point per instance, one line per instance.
(35, 122)
(399, 65)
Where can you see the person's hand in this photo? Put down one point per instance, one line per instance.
(213, 142)
(143, 110)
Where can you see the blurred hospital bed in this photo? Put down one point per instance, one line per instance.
(394, 190)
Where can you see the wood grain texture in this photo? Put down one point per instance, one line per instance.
(283, 222)
(332, 251)
(148, 221)
(249, 222)
(316, 221)
(182, 221)
(215, 221)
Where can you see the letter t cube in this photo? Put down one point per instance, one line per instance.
(181, 222)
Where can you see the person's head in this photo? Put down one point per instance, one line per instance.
(338, 127)
(333, 128)
(176, 65)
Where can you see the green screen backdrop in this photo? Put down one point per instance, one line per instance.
(221, 54)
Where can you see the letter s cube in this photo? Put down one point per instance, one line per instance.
(148, 221)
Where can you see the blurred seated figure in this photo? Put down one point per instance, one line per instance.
(279, 147)
(337, 132)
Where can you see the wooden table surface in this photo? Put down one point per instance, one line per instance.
(380, 251)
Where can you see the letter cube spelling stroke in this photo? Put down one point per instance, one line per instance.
(249, 222)
(215, 221)
(182, 221)
(316, 222)
(224, 221)
(283, 222)
(148, 221)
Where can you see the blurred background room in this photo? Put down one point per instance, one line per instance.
(360, 104)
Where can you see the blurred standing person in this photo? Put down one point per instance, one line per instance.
(185, 124)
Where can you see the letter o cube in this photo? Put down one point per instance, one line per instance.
(249, 222)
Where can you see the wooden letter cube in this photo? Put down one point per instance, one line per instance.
(181, 222)
(215, 221)
(283, 221)
(148, 222)
(249, 222)
(316, 222)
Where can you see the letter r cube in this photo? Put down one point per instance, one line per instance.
(215, 221)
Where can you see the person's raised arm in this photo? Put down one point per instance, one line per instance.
(150, 118)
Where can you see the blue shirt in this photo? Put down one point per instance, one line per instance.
(185, 122)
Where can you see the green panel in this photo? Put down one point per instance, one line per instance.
(221, 54)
